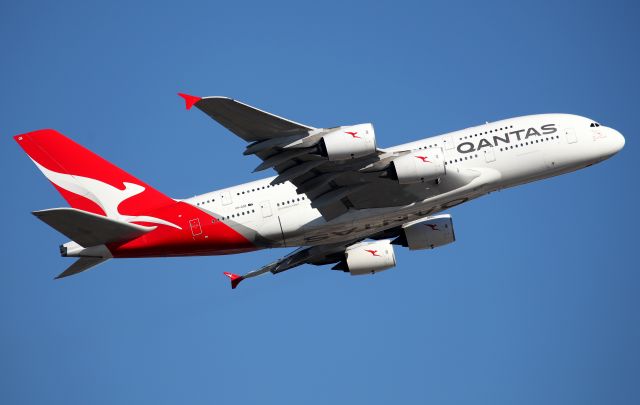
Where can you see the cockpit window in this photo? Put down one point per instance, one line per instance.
(594, 125)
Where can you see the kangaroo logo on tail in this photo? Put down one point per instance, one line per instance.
(104, 195)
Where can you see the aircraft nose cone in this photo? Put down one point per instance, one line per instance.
(618, 141)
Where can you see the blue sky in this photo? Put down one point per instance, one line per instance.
(536, 302)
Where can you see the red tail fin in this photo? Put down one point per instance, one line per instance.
(87, 181)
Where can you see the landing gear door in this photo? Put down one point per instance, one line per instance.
(225, 197)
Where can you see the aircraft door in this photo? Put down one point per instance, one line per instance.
(489, 154)
(225, 197)
(265, 207)
(449, 142)
(570, 135)
(194, 224)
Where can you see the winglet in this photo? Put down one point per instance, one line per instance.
(189, 100)
(235, 279)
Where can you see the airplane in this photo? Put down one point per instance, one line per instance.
(338, 197)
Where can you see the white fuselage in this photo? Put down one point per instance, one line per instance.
(479, 160)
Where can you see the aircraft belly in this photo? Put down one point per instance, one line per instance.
(364, 222)
(268, 232)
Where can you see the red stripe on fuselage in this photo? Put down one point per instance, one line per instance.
(212, 238)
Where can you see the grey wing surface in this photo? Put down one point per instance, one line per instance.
(249, 123)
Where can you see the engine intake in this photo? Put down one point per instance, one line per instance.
(349, 142)
(418, 166)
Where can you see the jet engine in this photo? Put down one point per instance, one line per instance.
(427, 233)
(418, 166)
(349, 142)
(368, 258)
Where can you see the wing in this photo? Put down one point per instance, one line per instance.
(295, 152)
(316, 255)
(249, 123)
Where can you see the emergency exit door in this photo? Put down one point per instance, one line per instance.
(265, 207)
(225, 197)
(449, 142)
(489, 154)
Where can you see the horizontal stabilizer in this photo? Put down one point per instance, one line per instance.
(89, 229)
(80, 265)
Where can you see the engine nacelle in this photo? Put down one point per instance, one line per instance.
(368, 258)
(419, 166)
(349, 142)
(427, 233)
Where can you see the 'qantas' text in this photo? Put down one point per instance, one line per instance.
(506, 138)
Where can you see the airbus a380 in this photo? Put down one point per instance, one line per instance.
(337, 197)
